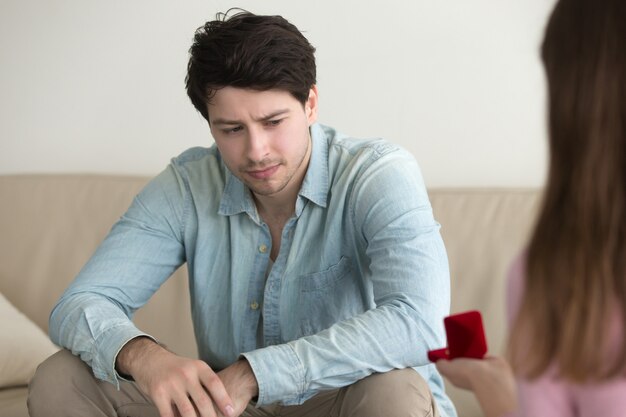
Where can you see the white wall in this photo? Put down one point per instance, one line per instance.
(97, 86)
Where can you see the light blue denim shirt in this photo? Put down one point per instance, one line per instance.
(360, 285)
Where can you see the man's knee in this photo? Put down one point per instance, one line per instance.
(401, 392)
(65, 386)
(51, 386)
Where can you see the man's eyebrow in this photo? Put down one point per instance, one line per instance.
(270, 116)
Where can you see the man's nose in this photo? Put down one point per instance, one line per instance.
(258, 142)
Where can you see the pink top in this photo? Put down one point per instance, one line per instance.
(549, 396)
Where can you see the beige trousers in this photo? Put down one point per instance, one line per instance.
(65, 386)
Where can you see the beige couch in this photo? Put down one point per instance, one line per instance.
(50, 224)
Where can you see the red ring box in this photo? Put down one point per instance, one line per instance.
(466, 337)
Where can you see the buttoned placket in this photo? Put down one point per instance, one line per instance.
(256, 286)
(271, 304)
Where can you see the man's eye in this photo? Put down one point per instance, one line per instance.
(233, 129)
(275, 122)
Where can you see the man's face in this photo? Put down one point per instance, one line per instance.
(263, 137)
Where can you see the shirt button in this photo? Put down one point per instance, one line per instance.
(263, 248)
(254, 305)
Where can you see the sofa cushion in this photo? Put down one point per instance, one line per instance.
(13, 402)
(23, 346)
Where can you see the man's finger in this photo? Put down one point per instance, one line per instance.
(213, 384)
(184, 405)
(165, 407)
(202, 401)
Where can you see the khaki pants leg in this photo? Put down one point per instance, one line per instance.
(398, 393)
(65, 386)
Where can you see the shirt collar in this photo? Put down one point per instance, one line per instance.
(237, 198)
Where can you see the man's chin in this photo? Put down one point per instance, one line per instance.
(266, 190)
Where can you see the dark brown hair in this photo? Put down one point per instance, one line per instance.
(576, 260)
(249, 51)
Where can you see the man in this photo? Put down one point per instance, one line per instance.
(318, 276)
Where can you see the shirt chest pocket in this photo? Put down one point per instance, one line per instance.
(327, 279)
(327, 297)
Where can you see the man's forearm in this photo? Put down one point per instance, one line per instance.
(240, 382)
(133, 353)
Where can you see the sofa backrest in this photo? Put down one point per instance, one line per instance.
(51, 224)
(483, 230)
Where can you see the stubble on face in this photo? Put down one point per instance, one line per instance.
(264, 186)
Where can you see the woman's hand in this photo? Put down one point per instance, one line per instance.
(491, 379)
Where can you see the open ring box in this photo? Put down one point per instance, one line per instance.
(466, 337)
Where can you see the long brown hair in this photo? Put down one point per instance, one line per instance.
(576, 260)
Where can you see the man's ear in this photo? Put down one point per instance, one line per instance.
(310, 106)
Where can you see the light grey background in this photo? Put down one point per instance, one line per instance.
(98, 86)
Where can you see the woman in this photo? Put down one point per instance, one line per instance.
(567, 292)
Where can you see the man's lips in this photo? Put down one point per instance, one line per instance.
(261, 174)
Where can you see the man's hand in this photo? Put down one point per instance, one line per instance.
(490, 378)
(176, 385)
(240, 383)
